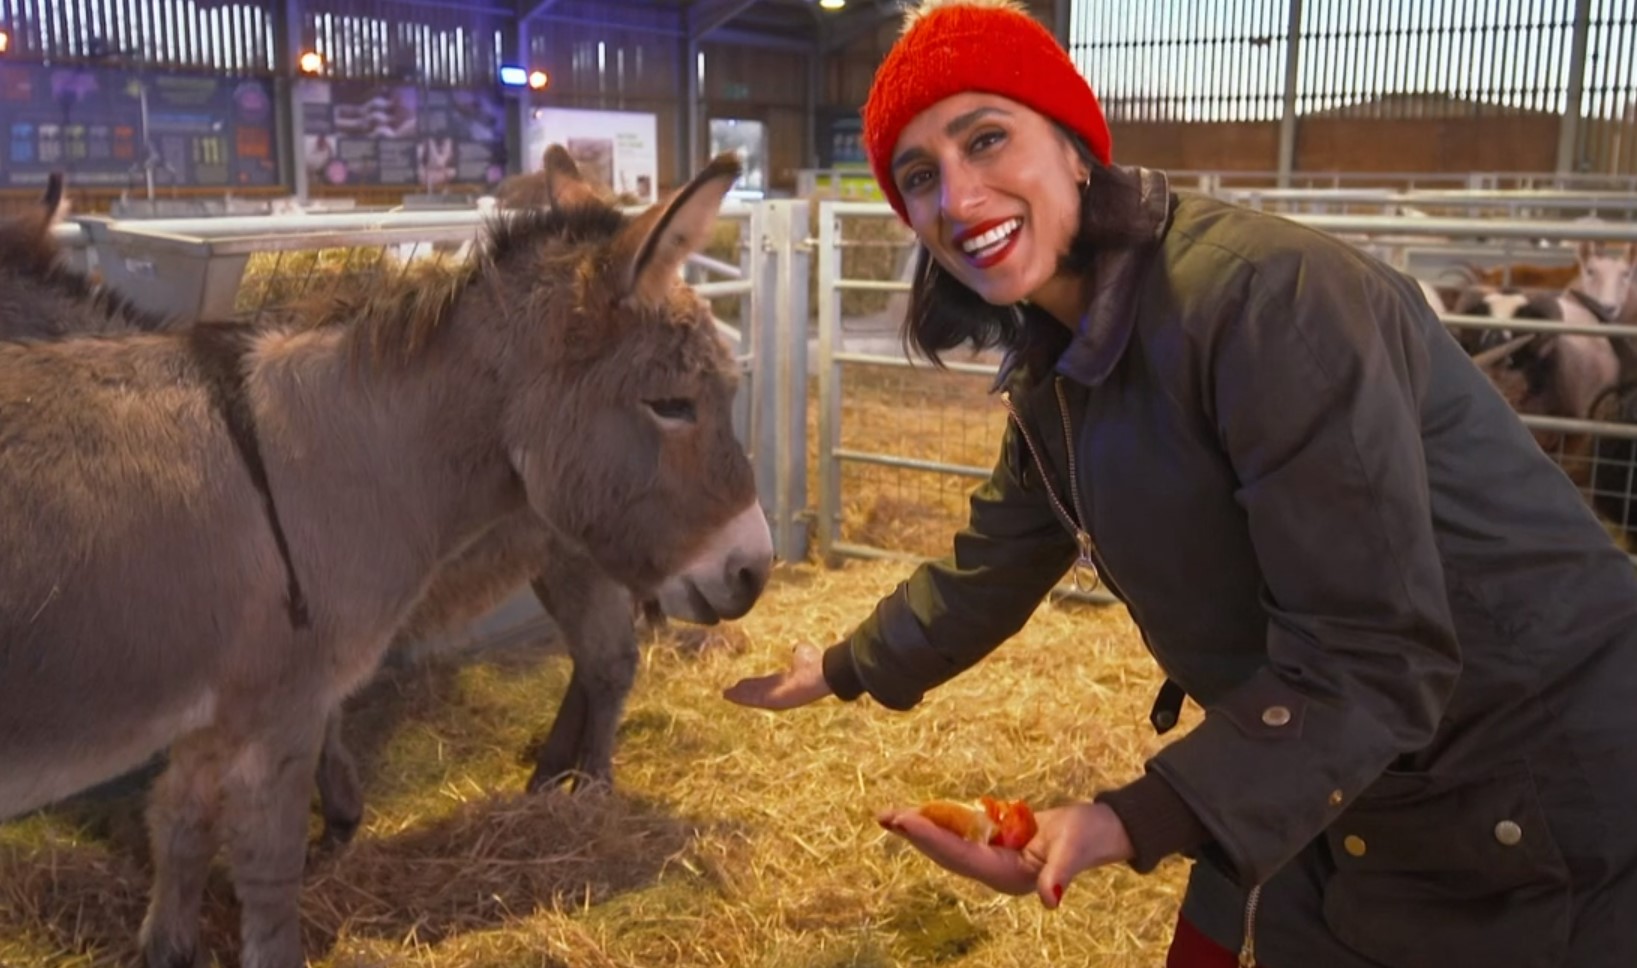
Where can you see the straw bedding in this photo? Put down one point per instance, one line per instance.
(733, 837)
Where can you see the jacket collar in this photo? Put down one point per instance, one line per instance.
(1105, 329)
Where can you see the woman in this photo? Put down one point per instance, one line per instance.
(1416, 647)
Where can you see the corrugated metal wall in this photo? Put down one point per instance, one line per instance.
(1434, 58)
(445, 44)
(1225, 61)
(191, 34)
(1608, 130)
(1215, 60)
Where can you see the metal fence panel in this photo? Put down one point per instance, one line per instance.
(901, 446)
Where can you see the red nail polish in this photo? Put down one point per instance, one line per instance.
(1057, 892)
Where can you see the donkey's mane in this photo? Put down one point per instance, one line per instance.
(26, 252)
(395, 317)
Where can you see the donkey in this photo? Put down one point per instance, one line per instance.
(592, 611)
(208, 537)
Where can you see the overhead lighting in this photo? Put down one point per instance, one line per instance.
(832, 4)
(311, 63)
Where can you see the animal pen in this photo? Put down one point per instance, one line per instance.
(733, 837)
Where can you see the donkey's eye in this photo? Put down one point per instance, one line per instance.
(673, 408)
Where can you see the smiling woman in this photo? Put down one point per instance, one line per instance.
(1336, 537)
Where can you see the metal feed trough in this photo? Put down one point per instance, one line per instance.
(192, 268)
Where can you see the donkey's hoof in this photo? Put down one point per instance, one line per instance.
(547, 778)
(165, 954)
(339, 831)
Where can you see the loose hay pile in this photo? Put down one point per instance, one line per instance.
(734, 837)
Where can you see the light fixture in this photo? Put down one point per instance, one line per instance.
(311, 62)
(5, 41)
(832, 4)
(539, 79)
(513, 76)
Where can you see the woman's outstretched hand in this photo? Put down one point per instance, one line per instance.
(1070, 840)
(802, 683)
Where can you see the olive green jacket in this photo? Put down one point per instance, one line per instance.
(1401, 618)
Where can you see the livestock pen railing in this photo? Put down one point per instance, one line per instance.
(901, 445)
(1533, 203)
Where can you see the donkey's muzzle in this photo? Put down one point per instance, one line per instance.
(727, 576)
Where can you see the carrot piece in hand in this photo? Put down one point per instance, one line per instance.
(998, 823)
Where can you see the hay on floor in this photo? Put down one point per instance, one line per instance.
(733, 836)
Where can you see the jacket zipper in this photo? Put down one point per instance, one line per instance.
(1087, 559)
(1247, 951)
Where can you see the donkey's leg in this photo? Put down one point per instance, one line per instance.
(182, 810)
(595, 614)
(340, 794)
(266, 793)
(558, 759)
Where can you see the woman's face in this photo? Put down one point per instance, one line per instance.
(992, 189)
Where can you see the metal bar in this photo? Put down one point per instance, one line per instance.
(712, 289)
(1556, 327)
(829, 375)
(703, 20)
(690, 113)
(1596, 428)
(953, 366)
(1387, 197)
(1287, 118)
(911, 463)
(790, 298)
(872, 285)
(529, 11)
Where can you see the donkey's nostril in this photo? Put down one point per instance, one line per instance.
(746, 578)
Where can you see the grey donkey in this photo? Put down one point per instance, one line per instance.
(209, 537)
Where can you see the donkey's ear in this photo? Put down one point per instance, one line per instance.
(661, 239)
(54, 202)
(1584, 252)
(565, 186)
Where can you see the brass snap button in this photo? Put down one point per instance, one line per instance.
(1354, 844)
(1335, 798)
(1508, 833)
(1276, 715)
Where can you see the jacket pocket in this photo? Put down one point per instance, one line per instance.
(1432, 875)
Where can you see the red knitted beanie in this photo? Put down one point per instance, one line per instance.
(966, 46)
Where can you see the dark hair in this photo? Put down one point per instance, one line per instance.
(943, 313)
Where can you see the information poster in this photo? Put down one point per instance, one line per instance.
(212, 132)
(616, 149)
(842, 152)
(370, 133)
